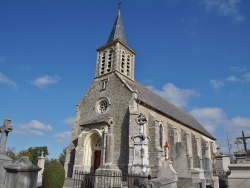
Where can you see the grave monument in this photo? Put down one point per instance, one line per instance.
(240, 171)
(140, 164)
(4, 159)
(21, 174)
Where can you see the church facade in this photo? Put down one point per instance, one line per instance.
(105, 122)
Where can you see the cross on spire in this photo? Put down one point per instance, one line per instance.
(119, 4)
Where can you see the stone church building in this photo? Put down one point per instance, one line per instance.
(106, 116)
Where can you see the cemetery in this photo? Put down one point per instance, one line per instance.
(227, 172)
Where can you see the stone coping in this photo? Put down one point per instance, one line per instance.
(22, 165)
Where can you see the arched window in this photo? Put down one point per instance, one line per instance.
(103, 61)
(199, 152)
(122, 62)
(128, 65)
(161, 135)
(109, 60)
(106, 59)
(176, 135)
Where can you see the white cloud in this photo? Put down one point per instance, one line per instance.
(34, 127)
(246, 77)
(63, 136)
(175, 95)
(216, 84)
(233, 79)
(29, 132)
(5, 80)
(239, 123)
(69, 120)
(228, 8)
(35, 124)
(45, 80)
(238, 69)
(212, 118)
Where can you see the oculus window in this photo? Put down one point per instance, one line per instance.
(102, 105)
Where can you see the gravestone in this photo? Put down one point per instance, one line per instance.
(240, 172)
(222, 170)
(181, 165)
(207, 166)
(166, 177)
(21, 174)
(181, 160)
(140, 164)
(40, 163)
(4, 159)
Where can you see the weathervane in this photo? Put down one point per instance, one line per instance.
(119, 4)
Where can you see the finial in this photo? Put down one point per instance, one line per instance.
(119, 4)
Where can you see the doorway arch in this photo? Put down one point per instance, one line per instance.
(92, 150)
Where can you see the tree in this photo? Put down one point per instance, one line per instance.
(34, 152)
(11, 153)
(26, 153)
(53, 175)
(62, 157)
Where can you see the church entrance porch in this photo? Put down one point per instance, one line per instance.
(92, 152)
(89, 151)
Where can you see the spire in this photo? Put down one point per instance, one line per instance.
(118, 30)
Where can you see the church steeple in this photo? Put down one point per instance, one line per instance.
(118, 30)
(115, 55)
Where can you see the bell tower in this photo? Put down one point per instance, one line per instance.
(115, 55)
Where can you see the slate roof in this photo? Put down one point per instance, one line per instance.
(118, 30)
(153, 100)
(95, 119)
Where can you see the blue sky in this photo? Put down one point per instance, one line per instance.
(194, 53)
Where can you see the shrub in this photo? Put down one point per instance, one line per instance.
(53, 175)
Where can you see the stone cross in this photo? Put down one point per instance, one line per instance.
(141, 120)
(238, 142)
(5, 129)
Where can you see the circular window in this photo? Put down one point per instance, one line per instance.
(102, 106)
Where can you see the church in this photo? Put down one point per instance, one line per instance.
(106, 120)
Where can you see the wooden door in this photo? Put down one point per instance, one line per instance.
(97, 159)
